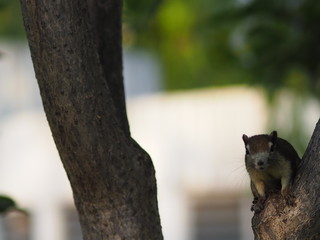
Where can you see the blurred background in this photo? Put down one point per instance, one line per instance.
(198, 74)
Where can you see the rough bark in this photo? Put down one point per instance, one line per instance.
(302, 221)
(78, 65)
(107, 30)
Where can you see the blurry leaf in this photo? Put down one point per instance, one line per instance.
(176, 18)
(214, 42)
(6, 203)
(11, 19)
(3, 3)
(137, 13)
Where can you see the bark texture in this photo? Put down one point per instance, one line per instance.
(279, 221)
(77, 57)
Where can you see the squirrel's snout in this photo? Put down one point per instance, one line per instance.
(260, 160)
(260, 163)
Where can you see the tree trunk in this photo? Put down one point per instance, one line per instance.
(77, 57)
(279, 221)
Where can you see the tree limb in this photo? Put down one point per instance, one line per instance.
(108, 30)
(302, 221)
(112, 178)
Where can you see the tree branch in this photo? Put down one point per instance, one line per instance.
(302, 221)
(112, 178)
(108, 30)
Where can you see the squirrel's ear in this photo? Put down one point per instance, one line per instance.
(245, 139)
(273, 136)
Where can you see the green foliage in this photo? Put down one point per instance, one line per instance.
(138, 13)
(11, 25)
(3, 3)
(282, 39)
(201, 43)
(271, 43)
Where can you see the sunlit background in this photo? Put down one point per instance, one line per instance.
(198, 74)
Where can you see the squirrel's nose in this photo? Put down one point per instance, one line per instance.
(260, 163)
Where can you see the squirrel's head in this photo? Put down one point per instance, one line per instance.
(258, 150)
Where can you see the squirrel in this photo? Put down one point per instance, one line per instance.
(272, 164)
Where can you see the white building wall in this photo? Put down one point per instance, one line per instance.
(195, 142)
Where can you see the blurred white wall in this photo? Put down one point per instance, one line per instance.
(194, 139)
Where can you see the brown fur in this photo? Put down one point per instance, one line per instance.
(271, 163)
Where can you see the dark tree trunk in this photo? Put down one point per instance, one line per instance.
(302, 221)
(76, 52)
